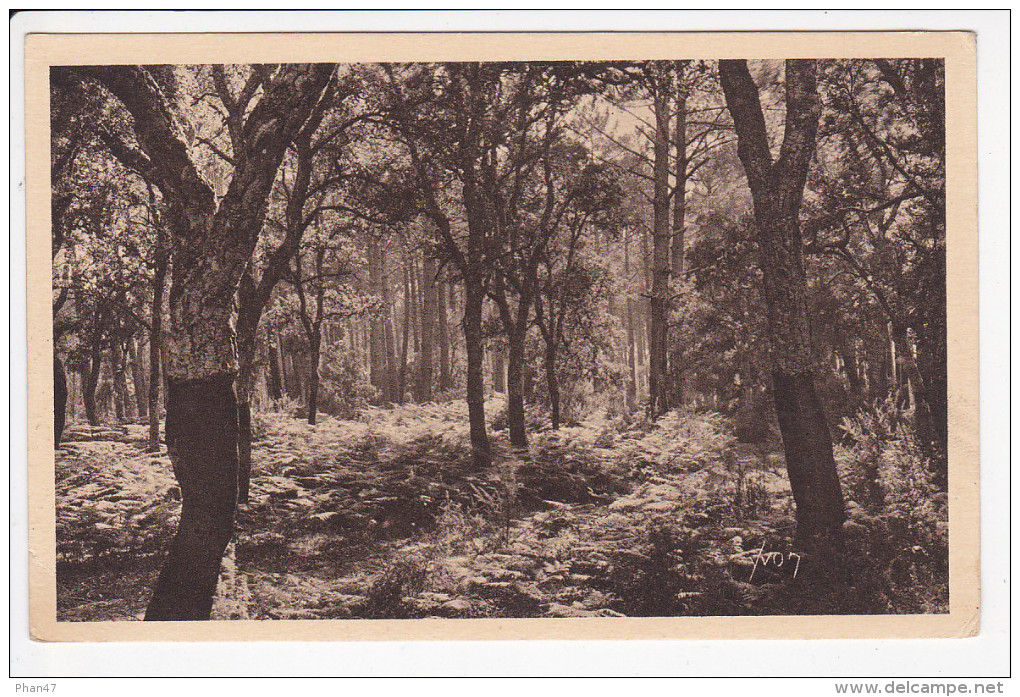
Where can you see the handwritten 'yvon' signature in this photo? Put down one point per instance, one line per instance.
(776, 559)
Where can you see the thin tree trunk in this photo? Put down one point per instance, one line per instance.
(275, 381)
(474, 296)
(631, 345)
(445, 376)
(92, 377)
(429, 310)
(137, 379)
(454, 308)
(415, 315)
(659, 298)
(852, 372)
(59, 400)
(377, 345)
(315, 345)
(931, 367)
(388, 339)
(405, 341)
(553, 384)
(676, 264)
(155, 363)
(923, 420)
(118, 367)
(642, 336)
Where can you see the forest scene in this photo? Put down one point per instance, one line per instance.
(500, 339)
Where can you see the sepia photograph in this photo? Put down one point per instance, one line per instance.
(507, 339)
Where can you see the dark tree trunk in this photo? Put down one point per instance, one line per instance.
(297, 382)
(248, 316)
(515, 386)
(118, 368)
(376, 344)
(932, 436)
(777, 189)
(275, 381)
(642, 336)
(553, 384)
(474, 296)
(59, 400)
(213, 240)
(138, 379)
(405, 339)
(155, 379)
(156, 340)
(452, 335)
(631, 344)
(201, 431)
(285, 377)
(390, 343)
(88, 396)
(852, 372)
(809, 462)
(415, 314)
(931, 365)
(314, 349)
(428, 329)
(445, 376)
(676, 253)
(658, 314)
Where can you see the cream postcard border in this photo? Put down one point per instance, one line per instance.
(958, 49)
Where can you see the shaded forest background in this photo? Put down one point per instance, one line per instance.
(500, 338)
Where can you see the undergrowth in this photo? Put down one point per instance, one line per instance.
(387, 517)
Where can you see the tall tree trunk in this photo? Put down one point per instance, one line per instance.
(474, 296)
(414, 278)
(405, 341)
(515, 385)
(676, 252)
(659, 298)
(118, 368)
(88, 396)
(155, 351)
(925, 422)
(454, 307)
(275, 380)
(213, 240)
(777, 189)
(286, 377)
(377, 345)
(389, 340)
(59, 400)
(314, 349)
(931, 366)
(201, 432)
(851, 370)
(631, 345)
(445, 372)
(248, 316)
(138, 379)
(429, 311)
(642, 337)
(553, 384)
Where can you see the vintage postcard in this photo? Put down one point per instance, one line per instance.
(502, 336)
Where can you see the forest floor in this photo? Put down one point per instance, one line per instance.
(384, 517)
